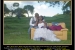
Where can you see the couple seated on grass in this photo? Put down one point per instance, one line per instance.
(41, 32)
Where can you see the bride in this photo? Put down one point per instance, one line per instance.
(42, 33)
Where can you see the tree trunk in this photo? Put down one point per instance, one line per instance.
(32, 14)
(28, 14)
(11, 14)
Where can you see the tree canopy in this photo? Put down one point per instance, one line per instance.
(66, 5)
(16, 5)
(6, 10)
(29, 8)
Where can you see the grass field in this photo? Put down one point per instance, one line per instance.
(16, 30)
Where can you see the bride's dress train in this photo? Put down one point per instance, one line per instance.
(45, 33)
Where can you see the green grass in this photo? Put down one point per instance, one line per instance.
(16, 30)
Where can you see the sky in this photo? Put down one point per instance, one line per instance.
(41, 8)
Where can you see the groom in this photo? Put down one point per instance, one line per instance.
(33, 22)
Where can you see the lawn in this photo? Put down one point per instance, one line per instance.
(16, 30)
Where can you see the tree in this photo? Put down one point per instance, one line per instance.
(66, 5)
(17, 5)
(6, 10)
(29, 8)
(67, 8)
(57, 14)
(19, 11)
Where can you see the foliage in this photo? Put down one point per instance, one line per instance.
(20, 11)
(16, 4)
(66, 5)
(57, 14)
(29, 8)
(6, 10)
(23, 15)
(17, 11)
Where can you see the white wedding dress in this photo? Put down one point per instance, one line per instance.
(45, 33)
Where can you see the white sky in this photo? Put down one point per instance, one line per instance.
(41, 8)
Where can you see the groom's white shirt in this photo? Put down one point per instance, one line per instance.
(32, 20)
